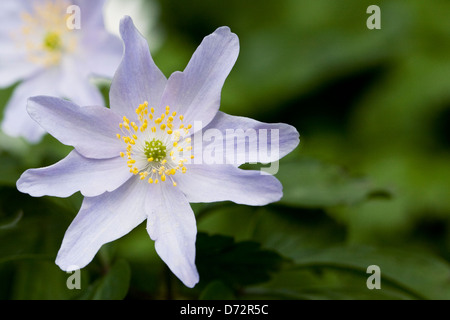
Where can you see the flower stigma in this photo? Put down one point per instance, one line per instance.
(157, 148)
(52, 41)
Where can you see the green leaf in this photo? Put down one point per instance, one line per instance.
(112, 286)
(36, 231)
(418, 274)
(217, 290)
(13, 222)
(310, 183)
(323, 284)
(40, 279)
(295, 233)
(235, 264)
(29, 243)
(329, 269)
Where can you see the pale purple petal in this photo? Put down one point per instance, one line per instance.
(137, 79)
(211, 183)
(15, 68)
(17, 122)
(14, 64)
(74, 84)
(101, 220)
(171, 223)
(10, 13)
(91, 13)
(91, 130)
(75, 173)
(245, 140)
(195, 93)
(102, 53)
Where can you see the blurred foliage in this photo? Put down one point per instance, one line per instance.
(369, 184)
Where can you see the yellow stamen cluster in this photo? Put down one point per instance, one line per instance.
(154, 146)
(44, 32)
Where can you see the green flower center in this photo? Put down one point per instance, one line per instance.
(52, 41)
(156, 147)
(155, 150)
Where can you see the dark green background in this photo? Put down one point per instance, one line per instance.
(368, 185)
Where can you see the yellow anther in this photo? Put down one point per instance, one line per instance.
(150, 159)
(163, 178)
(143, 175)
(164, 161)
(154, 129)
(173, 171)
(132, 142)
(170, 119)
(163, 126)
(175, 144)
(180, 149)
(174, 113)
(184, 170)
(174, 184)
(152, 110)
(169, 131)
(189, 126)
(131, 161)
(156, 181)
(125, 119)
(134, 137)
(150, 180)
(189, 148)
(118, 136)
(120, 125)
(181, 118)
(122, 154)
(181, 126)
(188, 140)
(192, 157)
(167, 108)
